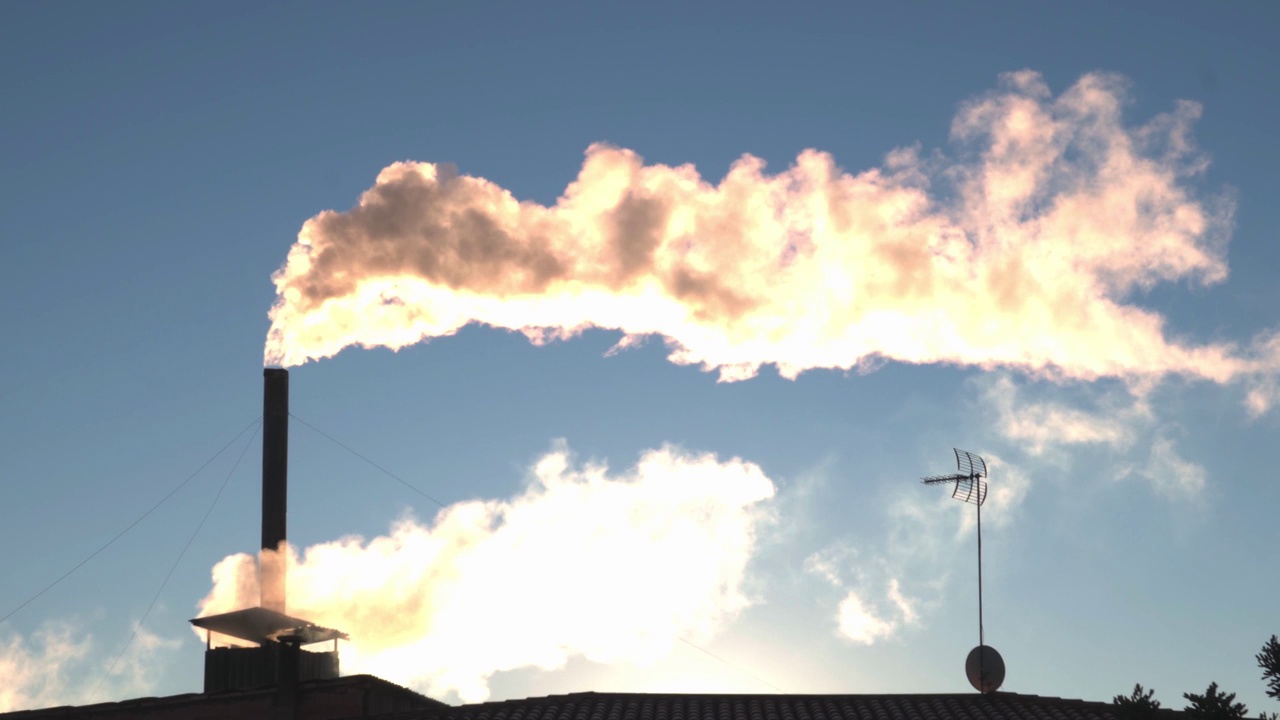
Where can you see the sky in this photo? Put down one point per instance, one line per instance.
(620, 337)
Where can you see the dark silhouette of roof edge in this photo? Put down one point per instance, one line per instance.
(901, 706)
(594, 705)
(230, 697)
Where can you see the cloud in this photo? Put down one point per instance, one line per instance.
(135, 672)
(1005, 493)
(859, 618)
(1024, 252)
(1264, 389)
(35, 670)
(1122, 422)
(1038, 426)
(57, 665)
(897, 583)
(905, 606)
(585, 563)
(1171, 474)
(855, 622)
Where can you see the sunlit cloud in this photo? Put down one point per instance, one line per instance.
(1040, 425)
(1264, 390)
(1006, 491)
(873, 607)
(1171, 474)
(613, 568)
(35, 669)
(58, 664)
(858, 623)
(1048, 421)
(897, 583)
(906, 607)
(1024, 252)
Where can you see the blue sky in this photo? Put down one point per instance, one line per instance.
(161, 160)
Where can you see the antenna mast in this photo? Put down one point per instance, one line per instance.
(984, 666)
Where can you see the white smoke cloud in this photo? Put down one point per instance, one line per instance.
(1169, 473)
(896, 584)
(1122, 422)
(613, 568)
(57, 665)
(860, 624)
(1039, 426)
(864, 622)
(1022, 254)
(860, 617)
(35, 670)
(1005, 495)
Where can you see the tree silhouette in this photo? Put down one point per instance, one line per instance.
(1214, 705)
(1269, 661)
(1138, 706)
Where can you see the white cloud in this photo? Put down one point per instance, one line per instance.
(905, 606)
(1264, 390)
(58, 665)
(35, 670)
(1043, 425)
(856, 622)
(1171, 474)
(612, 568)
(826, 564)
(1122, 421)
(135, 672)
(897, 583)
(1006, 490)
(1023, 253)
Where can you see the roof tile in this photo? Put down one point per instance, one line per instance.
(634, 706)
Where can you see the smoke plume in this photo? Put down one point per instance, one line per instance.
(1023, 252)
(896, 585)
(583, 563)
(56, 665)
(35, 669)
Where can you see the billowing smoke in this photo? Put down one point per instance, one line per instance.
(891, 587)
(1022, 252)
(56, 664)
(613, 568)
(35, 670)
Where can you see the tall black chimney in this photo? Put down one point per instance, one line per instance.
(277, 656)
(275, 486)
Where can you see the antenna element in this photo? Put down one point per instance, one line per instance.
(984, 666)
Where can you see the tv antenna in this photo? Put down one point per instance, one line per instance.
(984, 667)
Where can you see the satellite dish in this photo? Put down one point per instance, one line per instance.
(985, 669)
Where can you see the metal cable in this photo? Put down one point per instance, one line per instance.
(168, 575)
(385, 471)
(739, 668)
(131, 525)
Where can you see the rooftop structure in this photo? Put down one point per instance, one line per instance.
(276, 655)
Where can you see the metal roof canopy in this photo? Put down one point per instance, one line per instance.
(260, 625)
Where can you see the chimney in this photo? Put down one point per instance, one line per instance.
(277, 657)
(275, 487)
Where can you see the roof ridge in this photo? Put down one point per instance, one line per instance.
(644, 694)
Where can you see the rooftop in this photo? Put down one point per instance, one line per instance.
(365, 696)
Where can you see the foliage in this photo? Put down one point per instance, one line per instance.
(1138, 706)
(1269, 661)
(1214, 705)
